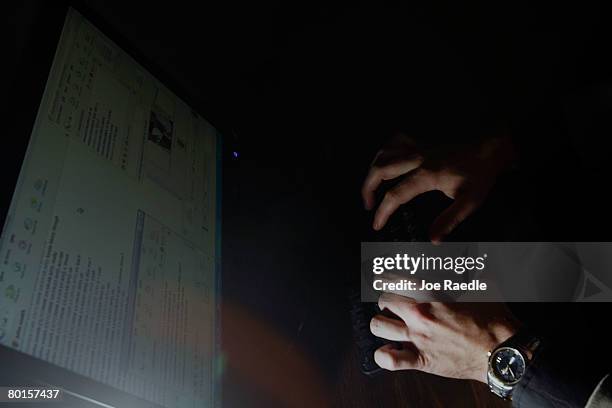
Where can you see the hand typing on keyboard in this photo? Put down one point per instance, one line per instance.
(450, 340)
(465, 175)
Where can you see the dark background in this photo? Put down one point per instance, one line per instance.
(306, 92)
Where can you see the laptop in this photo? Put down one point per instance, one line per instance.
(110, 247)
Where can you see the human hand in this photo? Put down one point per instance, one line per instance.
(446, 339)
(465, 175)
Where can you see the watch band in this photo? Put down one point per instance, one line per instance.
(524, 341)
(504, 392)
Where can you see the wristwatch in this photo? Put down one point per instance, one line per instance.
(509, 361)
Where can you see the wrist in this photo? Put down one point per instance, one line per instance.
(498, 332)
(509, 361)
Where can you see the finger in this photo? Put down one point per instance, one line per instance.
(396, 304)
(389, 328)
(406, 308)
(454, 215)
(390, 358)
(389, 171)
(416, 183)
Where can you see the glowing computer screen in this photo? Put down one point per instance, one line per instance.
(110, 250)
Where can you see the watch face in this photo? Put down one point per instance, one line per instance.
(508, 365)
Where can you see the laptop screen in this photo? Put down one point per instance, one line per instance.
(110, 250)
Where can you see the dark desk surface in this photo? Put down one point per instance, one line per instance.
(266, 368)
(408, 389)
